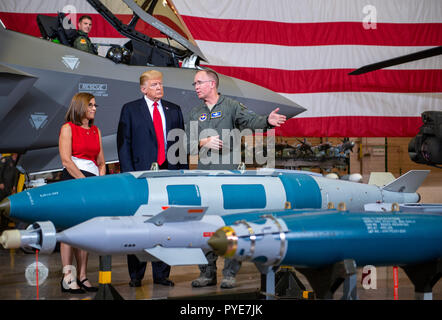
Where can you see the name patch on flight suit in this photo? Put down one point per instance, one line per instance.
(215, 115)
(203, 117)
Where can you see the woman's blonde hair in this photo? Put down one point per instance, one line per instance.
(78, 108)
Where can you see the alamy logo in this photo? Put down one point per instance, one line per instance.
(70, 275)
(370, 20)
(31, 274)
(369, 277)
(230, 153)
(70, 16)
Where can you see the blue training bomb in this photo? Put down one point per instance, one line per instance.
(69, 203)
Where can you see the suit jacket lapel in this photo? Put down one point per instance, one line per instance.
(144, 110)
(167, 114)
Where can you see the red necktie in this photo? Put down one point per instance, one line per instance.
(158, 125)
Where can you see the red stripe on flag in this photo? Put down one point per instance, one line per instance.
(338, 80)
(313, 34)
(345, 126)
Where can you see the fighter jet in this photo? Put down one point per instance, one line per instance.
(39, 77)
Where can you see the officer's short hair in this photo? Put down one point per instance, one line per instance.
(84, 17)
(150, 75)
(212, 75)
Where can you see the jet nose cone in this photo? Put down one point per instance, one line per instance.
(5, 206)
(224, 242)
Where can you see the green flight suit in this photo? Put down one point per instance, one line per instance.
(225, 114)
(82, 42)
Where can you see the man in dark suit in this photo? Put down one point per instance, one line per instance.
(142, 140)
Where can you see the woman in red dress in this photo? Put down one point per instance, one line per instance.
(81, 153)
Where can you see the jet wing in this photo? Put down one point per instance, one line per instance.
(178, 214)
(14, 84)
(178, 256)
(48, 159)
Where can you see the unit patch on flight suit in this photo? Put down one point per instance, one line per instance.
(203, 117)
(216, 114)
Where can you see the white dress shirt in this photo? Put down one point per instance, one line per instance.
(163, 117)
(86, 165)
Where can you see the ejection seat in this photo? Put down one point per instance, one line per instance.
(52, 29)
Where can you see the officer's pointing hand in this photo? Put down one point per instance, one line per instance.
(276, 119)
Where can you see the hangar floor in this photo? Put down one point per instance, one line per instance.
(14, 286)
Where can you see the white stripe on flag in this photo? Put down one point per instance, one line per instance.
(309, 57)
(393, 11)
(366, 104)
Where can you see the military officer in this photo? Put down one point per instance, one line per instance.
(82, 40)
(217, 113)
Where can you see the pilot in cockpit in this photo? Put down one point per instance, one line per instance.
(82, 41)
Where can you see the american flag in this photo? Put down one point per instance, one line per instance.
(304, 50)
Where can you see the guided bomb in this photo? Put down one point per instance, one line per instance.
(146, 193)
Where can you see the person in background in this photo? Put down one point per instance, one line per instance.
(8, 175)
(81, 154)
(82, 41)
(8, 181)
